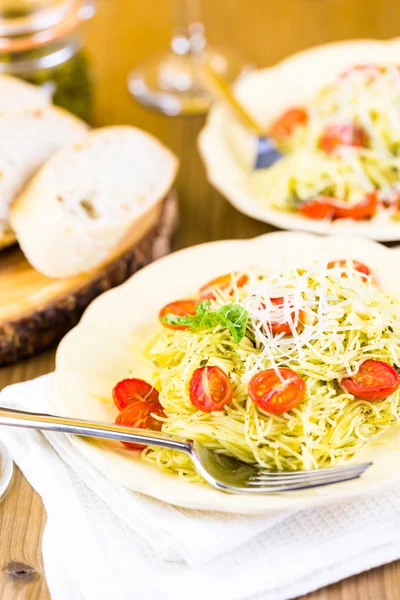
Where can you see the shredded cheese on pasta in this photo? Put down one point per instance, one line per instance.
(307, 171)
(346, 319)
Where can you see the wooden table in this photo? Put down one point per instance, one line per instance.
(123, 33)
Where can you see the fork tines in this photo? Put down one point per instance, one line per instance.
(297, 479)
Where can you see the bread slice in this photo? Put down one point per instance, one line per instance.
(17, 95)
(27, 140)
(85, 200)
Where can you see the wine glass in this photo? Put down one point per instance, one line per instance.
(168, 81)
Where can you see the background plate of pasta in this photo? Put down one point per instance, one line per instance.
(282, 351)
(333, 111)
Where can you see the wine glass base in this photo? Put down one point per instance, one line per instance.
(168, 83)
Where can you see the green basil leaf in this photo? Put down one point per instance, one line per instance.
(232, 316)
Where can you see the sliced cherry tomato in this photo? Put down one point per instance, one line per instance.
(278, 327)
(224, 282)
(396, 202)
(275, 393)
(363, 210)
(133, 390)
(181, 308)
(343, 134)
(323, 207)
(284, 125)
(370, 70)
(210, 389)
(375, 380)
(357, 266)
(139, 414)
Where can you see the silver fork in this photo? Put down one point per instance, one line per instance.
(266, 153)
(222, 472)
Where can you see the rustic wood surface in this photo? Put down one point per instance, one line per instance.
(123, 33)
(36, 311)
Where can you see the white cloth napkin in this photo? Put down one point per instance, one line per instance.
(102, 541)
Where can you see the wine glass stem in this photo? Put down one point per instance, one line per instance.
(189, 31)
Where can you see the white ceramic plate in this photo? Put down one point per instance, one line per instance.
(101, 350)
(6, 469)
(227, 150)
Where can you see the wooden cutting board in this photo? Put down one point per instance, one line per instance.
(36, 311)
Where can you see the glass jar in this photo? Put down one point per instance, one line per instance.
(41, 42)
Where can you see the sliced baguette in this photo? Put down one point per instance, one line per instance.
(27, 140)
(17, 95)
(87, 199)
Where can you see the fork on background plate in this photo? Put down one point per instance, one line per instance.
(266, 151)
(223, 472)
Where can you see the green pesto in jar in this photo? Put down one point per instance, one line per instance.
(69, 83)
(41, 42)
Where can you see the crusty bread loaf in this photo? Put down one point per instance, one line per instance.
(83, 202)
(17, 95)
(27, 139)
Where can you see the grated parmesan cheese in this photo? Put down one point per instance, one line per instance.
(306, 171)
(342, 326)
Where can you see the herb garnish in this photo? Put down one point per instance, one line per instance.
(232, 316)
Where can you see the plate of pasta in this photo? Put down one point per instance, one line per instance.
(282, 351)
(333, 111)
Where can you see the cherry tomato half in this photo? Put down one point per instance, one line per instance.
(133, 390)
(343, 134)
(375, 380)
(357, 266)
(210, 389)
(224, 282)
(284, 125)
(275, 393)
(323, 207)
(139, 414)
(181, 308)
(362, 210)
(277, 327)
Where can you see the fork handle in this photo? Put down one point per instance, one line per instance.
(107, 431)
(219, 88)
